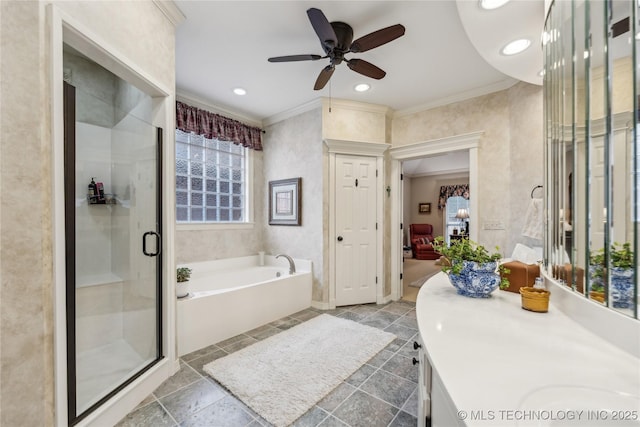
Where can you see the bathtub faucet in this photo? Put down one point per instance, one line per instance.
(292, 265)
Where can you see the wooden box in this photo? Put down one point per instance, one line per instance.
(520, 275)
(567, 276)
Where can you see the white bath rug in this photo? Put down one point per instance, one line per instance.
(283, 376)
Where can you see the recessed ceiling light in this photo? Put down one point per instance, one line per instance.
(516, 46)
(239, 91)
(492, 4)
(362, 87)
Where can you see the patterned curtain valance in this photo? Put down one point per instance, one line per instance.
(211, 125)
(447, 191)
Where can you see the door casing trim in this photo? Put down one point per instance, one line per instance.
(365, 149)
(468, 141)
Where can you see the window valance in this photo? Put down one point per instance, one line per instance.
(447, 191)
(215, 126)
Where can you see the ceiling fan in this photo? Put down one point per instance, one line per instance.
(336, 40)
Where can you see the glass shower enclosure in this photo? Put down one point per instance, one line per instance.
(113, 219)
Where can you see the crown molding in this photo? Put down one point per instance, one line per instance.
(356, 148)
(295, 111)
(194, 100)
(462, 96)
(435, 146)
(325, 103)
(171, 11)
(355, 106)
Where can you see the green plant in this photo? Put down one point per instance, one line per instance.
(621, 256)
(183, 274)
(467, 250)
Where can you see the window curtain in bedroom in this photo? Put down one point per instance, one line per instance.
(447, 191)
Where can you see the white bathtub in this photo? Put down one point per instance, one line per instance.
(232, 296)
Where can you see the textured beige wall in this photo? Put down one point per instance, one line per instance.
(26, 361)
(512, 122)
(354, 121)
(142, 33)
(527, 157)
(294, 148)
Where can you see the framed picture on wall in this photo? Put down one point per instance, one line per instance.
(424, 208)
(285, 204)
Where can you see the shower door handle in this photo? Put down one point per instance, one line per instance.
(158, 243)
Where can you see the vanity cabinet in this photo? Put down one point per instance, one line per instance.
(473, 351)
(435, 408)
(424, 384)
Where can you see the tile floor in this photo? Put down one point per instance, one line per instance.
(383, 392)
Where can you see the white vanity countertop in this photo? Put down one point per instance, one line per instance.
(492, 355)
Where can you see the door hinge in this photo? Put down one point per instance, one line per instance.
(400, 276)
(401, 177)
(356, 182)
(376, 225)
(376, 279)
(401, 226)
(376, 172)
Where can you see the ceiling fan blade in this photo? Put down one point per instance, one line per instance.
(377, 38)
(324, 77)
(291, 58)
(366, 68)
(323, 29)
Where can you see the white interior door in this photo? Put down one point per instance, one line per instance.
(355, 204)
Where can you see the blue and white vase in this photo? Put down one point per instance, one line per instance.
(476, 280)
(595, 277)
(622, 287)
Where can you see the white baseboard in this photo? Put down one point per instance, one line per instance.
(387, 299)
(320, 305)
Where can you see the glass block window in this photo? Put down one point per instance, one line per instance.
(210, 179)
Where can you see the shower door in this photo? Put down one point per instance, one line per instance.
(113, 245)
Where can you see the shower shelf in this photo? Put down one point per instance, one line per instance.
(109, 199)
(98, 280)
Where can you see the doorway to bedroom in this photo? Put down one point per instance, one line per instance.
(421, 170)
(422, 210)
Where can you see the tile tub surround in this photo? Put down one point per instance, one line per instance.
(383, 392)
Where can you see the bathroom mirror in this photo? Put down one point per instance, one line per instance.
(591, 178)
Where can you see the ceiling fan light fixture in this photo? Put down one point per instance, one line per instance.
(515, 47)
(239, 91)
(336, 39)
(492, 4)
(361, 87)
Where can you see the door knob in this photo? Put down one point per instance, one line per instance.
(415, 361)
(416, 345)
(339, 238)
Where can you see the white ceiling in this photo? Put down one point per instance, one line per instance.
(225, 44)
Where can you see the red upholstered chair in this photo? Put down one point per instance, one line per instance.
(419, 234)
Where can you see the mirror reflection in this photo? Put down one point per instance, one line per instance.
(591, 149)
